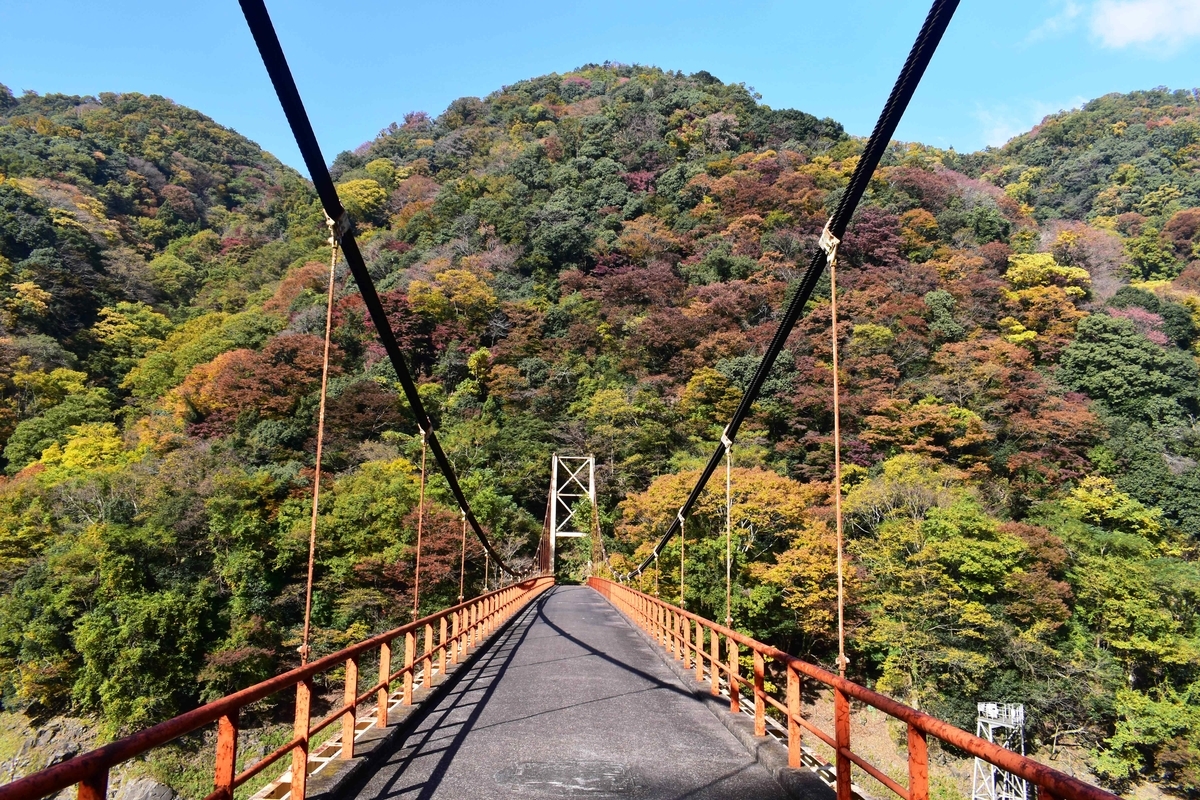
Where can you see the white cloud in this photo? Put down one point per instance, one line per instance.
(1061, 22)
(997, 126)
(999, 123)
(1122, 23)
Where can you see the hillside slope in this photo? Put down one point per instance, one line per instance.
(592, 262)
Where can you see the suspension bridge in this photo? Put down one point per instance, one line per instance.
(539, 689)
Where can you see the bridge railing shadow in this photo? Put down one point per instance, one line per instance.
(419, 766)
(438, 723)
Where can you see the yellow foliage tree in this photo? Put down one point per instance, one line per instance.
(455, 293)
(784, 550)
(27, 302)
(1042, 302)
(364, 199)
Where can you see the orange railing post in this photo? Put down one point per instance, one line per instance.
(442, 647)
(427, 672)
(680, 640)
(685, 641)
(300, 734)
(760, 698)
(793, 712)
(735, 689)
(410, 653)
(350, 698)
(93, 787)
(456, 643)
(841, 736)
(699, 652)
(918, 765)
(385, 691)
(675, 635)
(714, 663)
(226, 766)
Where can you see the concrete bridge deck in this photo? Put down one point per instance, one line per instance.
(569, 701)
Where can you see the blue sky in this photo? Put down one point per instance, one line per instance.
(361, 64)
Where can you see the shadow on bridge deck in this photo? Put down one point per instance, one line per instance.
(569, 701)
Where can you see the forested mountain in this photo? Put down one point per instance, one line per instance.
(593, 263)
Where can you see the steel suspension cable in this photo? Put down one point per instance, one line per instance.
(837, 470)
(918, 60)
(316, 495)
(682, 540)
(269, 48)
(420, 530)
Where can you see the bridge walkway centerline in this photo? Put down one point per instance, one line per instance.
(570, 700)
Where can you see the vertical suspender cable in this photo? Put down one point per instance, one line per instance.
(656, 594)
(837, 467)
(420, 530)
(316, 497)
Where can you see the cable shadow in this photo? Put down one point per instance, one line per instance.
(721, 778)
(564, 708)
(658, 682)
(418, 766)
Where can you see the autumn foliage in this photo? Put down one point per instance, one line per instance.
(594, 263)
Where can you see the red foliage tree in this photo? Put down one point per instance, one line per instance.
(270, 382)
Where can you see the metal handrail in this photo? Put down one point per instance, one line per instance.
(672, 627)
(461, 627)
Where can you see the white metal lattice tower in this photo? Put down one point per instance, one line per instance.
(1003, 724)
(572, 478)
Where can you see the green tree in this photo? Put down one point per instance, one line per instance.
(1113, 364)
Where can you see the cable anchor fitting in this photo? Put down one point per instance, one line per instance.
(726, 442)
(339, 227)
(829, 243)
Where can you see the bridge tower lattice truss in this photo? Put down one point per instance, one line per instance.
(572, 478)
(1003, 724)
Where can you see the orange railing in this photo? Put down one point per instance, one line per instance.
(428, 643)
(696, 640)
